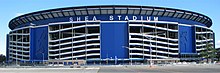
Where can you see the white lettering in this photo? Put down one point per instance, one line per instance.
(119, 17)
(94, 18)
(71, 19)
(77, 18)
(141, 18)
(86, 18)
(148, 18)
(134, 17)
(111, 18)
(126, 18)
(155, 18)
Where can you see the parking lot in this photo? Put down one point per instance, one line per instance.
(49, 70)
(121, 69)
(162, 69)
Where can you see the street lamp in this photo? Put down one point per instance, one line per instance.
(116, 60)
(129, 51)
(43, 57)
(167, 42)
(150, 53)
(16, 58)
(150, 50)
(151, 45)
(107, 58)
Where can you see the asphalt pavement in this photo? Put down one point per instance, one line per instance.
(49, 70)
(162, 69)
(121, 69)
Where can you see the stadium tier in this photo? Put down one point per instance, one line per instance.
(108, 34)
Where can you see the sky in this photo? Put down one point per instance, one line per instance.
(9, 9)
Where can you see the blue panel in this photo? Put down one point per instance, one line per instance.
(7, 48)
(187, 39)
(193, 39)
(39, 44)
(113, 37)
(214, 39)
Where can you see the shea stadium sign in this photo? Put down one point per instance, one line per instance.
(112, 18)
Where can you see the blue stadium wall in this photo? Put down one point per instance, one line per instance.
(39, 44)
(114, 35)
(7, 48)
(187, 39)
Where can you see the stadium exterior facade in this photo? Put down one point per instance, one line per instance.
(108, 33)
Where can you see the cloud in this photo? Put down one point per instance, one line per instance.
(218, 42)
(19, 14)
(3, 47)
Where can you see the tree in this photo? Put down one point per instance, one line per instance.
(218, 53)
(2, 58)
(209, 52)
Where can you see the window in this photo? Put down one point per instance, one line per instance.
(71, 13)
(155, 13)
(54, 14)
(66, 14)
(45, 16)
(130, 11)
(117, 11)
(136, 29)
(172, 26)
(124, 11)
(137, 11)
(110, 11)
(78, 12)
(193, 17)
(176, 14)
(60, 14)
(184, 16)
(28, 17)
(143, 12)
(54, 27)
(160, 13)
(166, 13)
(37, 18)
(91, 12)
(170, 14)
(187, 15)
(40, 17)
(104, 11)
(22, 19)
(172, 35)
(180, 15)
(205, 21)
(198, 19)
(149, 12)
(202, 20)
(54, 36)
(49, 15)
(84, 12)
(97, 11)
(15, 23)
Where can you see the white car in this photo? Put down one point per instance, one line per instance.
(50, 65)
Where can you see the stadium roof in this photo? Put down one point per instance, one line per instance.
(110, 9)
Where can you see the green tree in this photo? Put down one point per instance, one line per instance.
(218, 53)
(2, 58)
(209, 52)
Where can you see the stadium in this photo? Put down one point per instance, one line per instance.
(108, 34)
